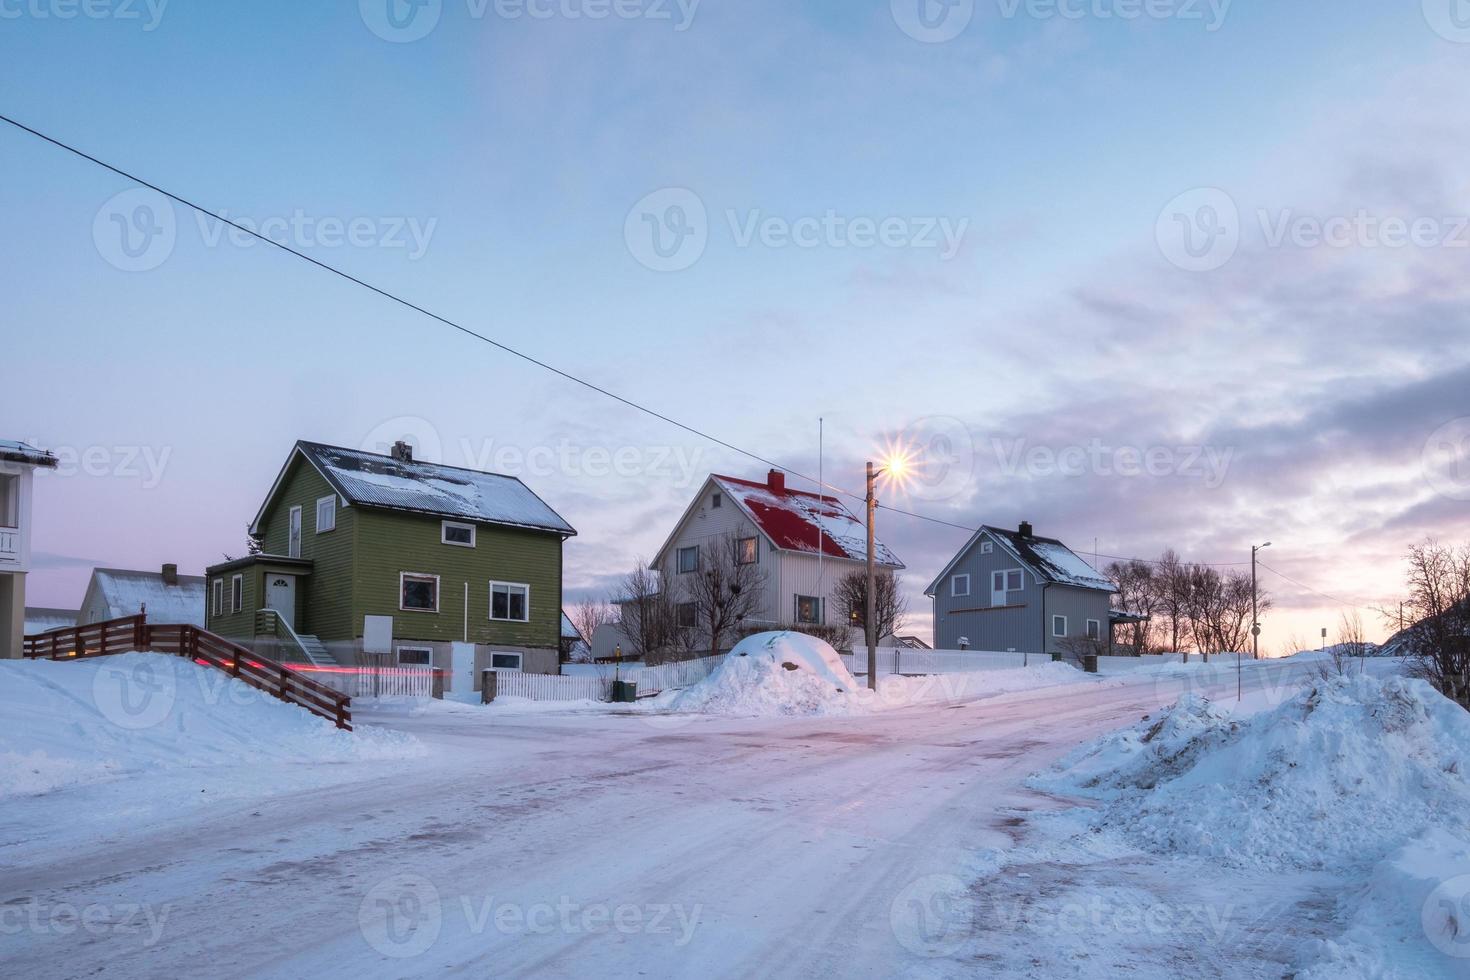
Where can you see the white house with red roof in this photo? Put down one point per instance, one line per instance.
(804, 542)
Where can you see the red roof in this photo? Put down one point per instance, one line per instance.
(796, 520)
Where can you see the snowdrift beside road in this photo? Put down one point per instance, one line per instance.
(1337, 776)
(775, 674)
(71, 723)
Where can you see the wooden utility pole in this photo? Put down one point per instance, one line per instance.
(868, 619)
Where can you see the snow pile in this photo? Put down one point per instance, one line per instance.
(1333, 779)
(71, 723)
(898, 691)
(775, 674)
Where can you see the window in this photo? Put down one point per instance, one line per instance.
(505, 661)
(1094, 629)
(9, 500)
(217, 597)
(237, 593)
(1059, 626)
(326, 514)
(688, 614)
(293, 534)
(510, 601)
(418, 593)
(1002, 584)
(415, 656)
(987, 547)
(688, 560)
(808, 610)
(959, 586)
(452, 532)
(747, 551)
(716, 501)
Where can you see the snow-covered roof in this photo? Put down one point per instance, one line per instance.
(20, 452)
(1048, 558)
(372, 480)
(568, 631)
(126, 593)
(40, 619)
(795, 520)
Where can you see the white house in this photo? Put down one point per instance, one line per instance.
(18, 463)
(164, 596)
(804, 542)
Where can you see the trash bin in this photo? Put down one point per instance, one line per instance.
(1056, 658)
(624, 692)
(1089, 663)
(487, 687)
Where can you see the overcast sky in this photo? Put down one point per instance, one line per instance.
(1190, 278)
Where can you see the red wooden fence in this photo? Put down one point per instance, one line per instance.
(203, 647)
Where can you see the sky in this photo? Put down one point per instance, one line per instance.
(1176, 274)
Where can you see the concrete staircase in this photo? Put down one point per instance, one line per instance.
(316, 654)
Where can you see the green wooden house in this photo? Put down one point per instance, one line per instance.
(386, 560)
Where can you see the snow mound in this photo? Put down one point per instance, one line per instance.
(72, 723)
(772, 674)
(1335, 778)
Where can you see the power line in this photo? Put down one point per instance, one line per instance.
(503, 347)
(1340, 602)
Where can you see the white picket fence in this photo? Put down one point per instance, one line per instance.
(906, 661)
(377, 682)
(551, 687)
(668, 677)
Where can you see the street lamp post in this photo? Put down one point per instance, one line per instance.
(868, 629)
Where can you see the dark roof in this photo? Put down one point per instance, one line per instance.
(19, 452)
(1049, 559)
(372, 480)
(796, 520)
(245, 561)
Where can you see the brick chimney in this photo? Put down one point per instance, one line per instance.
(170, 574)
(1027, 530)
(402, 452)
(776, 480)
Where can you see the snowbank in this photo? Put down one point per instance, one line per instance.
(70, 723)
(775, 674)
(1334, 778)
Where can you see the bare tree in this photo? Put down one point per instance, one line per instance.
(1438, 603)
(1219, 609)
(1172, 585)
(724, 592)
(1138, 592)
(890, 606)
(589, 616)
(646, 616)
(1346, 655)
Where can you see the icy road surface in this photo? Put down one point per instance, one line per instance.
(597, 844)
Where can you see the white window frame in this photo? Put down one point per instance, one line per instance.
(331, 524)
(217, 597)
(402, 576)
(237, 593)
(679, 559)
(444, 527)
(10, 500)
(1005, 581)
(987, 547)
(520, 660)
(293, 532)
(509, 585)
(954, 587)
(1054, 619)
(412, 648)
(1094, 629)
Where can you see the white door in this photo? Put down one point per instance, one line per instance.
(280, 595)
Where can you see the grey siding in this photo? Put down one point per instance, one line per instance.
(1078, 605)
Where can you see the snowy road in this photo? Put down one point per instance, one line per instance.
(588, 845)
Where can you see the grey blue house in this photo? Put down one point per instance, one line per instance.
(1012, 590)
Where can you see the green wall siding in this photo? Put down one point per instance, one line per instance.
(323, 598)
(240, 624)
(391, 543)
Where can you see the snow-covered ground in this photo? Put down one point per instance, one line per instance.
(637, 841)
